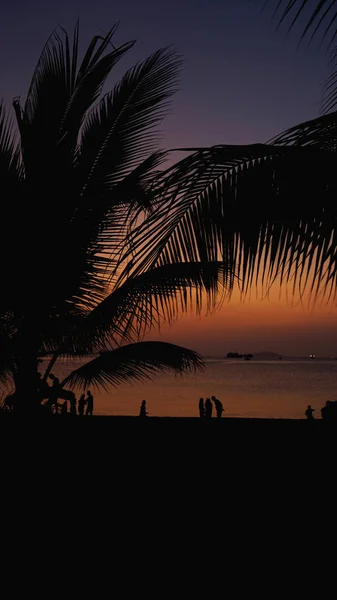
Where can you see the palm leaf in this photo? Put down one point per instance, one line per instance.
(134, 362)
(107, 212)
(320, 133)
(59, 96)
(9, 154)
(248, 207)
(329, 100)
(134, 307)
(115, 164)
(10, 188)
(119, 133)
(322, 15)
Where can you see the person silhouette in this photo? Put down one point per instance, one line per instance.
(55, 380)
(90, 403)
(201, 408)
(218, 407)
(81, 405)
(208, 408)
(64, 408)
(143, 412)
(309, 413)
(54, 391)
(72, 401)
(43, 389)
(329, 411)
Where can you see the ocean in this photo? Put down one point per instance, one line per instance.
(256, 388)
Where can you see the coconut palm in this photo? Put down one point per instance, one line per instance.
(76, 173)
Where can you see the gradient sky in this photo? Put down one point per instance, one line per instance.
(243, 82)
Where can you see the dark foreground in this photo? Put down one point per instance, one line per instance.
(152, 438)
(169, 470)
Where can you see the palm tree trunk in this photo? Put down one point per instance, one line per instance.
(50, 365)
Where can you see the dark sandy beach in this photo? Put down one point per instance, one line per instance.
(165, 461)
(173, 434)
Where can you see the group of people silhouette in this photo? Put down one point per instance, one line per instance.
(54, 392)
(206, 407)
(329, 411)
(48, 396)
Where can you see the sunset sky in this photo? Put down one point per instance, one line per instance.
(242, 82)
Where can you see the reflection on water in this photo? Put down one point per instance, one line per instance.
(279, 389)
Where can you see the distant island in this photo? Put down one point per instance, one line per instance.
(268, 356)
(258, 356)
(237, 355)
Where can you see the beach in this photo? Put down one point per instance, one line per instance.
(158, 469)
(168, 433)
(247, 389)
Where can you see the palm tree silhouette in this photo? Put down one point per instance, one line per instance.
(76, 176)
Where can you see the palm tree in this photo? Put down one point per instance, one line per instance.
(76, 175)
(98, 244)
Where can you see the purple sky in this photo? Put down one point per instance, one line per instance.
(243, 82)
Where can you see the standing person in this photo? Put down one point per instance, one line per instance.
(43, 388)
(90, 403)
(143, 412)
(72, 401)
(309, 413)
(208, 408)
(64, 408)
(218, 407)
(81, 405)
(201, 408)
(54, 391)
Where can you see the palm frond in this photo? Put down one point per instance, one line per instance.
(106, 215)
(119, 133)
(90, 79)
(134, 362)
(60, 94)
(247, 206)
(329, 99)
(139, 303)
(320, 133)
(9, 153)
(10, 189)
(320, 15)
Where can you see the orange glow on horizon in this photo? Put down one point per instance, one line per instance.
(283, 323)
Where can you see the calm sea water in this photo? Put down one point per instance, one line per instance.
(276, 389)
